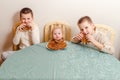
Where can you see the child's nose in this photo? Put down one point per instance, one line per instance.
(84, 31)
(56, 35)
(26, 20)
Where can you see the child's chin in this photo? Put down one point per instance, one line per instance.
(57, 39)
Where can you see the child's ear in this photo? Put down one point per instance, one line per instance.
(93, 26)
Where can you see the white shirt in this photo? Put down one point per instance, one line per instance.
(27, 38)
(101, 38)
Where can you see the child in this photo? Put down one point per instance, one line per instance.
(58, 41)
(26, 32)
(89, 35)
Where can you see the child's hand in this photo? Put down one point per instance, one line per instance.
(94, 42)
(79, 36)
(30, 25)
(21, 27)
(90, 38)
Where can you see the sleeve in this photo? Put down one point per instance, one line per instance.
(108, 47)
(35, 35)
(16, 39)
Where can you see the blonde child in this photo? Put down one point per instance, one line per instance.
(26, 32)
(57, 42)
(89, 35)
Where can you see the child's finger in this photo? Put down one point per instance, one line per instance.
(79, 37)
(21, 28)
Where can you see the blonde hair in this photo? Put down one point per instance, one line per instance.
(85, 18)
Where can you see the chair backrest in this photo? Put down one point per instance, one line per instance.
(109, 31)
(50, 26)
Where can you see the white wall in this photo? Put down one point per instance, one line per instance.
(101, 11)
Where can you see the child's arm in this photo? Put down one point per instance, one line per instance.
(108, 47)
(102, 43)
(35, 34)
(77, 38)
(98, 45)
(17, 36)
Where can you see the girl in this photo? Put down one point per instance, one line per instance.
(58, 41)
(89, 35)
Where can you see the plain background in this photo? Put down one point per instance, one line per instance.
(101, 11)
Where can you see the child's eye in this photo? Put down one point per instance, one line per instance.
(54, 33)
(23, 18)
(86, 27)
(81, 29)
(28, 18)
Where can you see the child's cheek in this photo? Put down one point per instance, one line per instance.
(22, 21)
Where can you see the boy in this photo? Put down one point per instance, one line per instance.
(26, 32)
(89, 35)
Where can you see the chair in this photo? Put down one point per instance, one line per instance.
(15, 47)
(50, 26)
(109, 31)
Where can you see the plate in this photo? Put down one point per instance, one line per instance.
(53, 49)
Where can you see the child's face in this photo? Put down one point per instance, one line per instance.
(57, 34)
(26, 18)
(86, 27)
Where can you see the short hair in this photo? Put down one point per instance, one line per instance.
(85, 18)
(26, 10)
